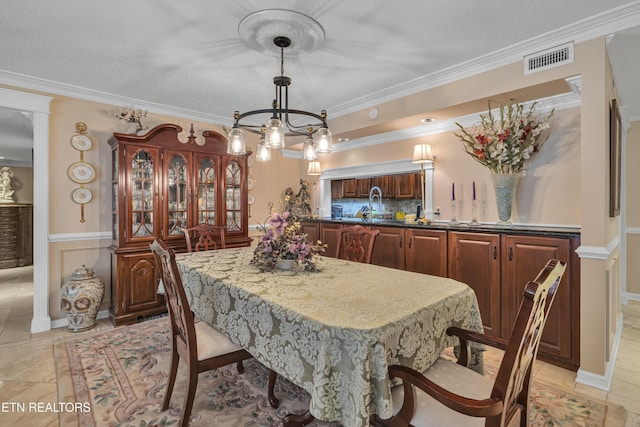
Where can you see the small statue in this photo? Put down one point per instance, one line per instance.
(298, 204)
(6, 193)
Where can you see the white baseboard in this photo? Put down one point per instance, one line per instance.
(602, 382)
(627, 296)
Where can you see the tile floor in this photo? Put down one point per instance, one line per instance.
(27, 368)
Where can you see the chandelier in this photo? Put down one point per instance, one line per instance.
(280, 120)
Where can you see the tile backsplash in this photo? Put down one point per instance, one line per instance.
(389, 206)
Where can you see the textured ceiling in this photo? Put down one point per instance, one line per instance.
(187, 56)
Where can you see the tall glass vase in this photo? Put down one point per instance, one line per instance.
(505, 188)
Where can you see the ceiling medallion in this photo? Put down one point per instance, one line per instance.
(258, 30)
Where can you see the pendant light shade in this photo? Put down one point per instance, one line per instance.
(274, 135)
(309, 150)
(236, 143)
(263, 153)
(323, 141)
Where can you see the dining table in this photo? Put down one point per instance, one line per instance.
(333, 332)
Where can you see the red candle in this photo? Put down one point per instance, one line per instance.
(474, 190)
(453, 191)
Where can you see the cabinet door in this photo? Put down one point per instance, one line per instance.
(140, 283)
(364, 185)
(388, 249)
(177, 205)
(385, 183)
(336, 189)
(206, 174)
(312, 230)
(523, 258)
(329, 235)
(405, 186)
(142, 166)
(235, 193)
(426, 251)
(349, 187)
(474, 259)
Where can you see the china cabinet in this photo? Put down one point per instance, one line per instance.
(159, 185)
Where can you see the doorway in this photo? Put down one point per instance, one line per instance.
(36, 107)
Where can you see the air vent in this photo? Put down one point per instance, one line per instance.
(549, 58)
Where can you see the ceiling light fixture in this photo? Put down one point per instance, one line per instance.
(283, 119)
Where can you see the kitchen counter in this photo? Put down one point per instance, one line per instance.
(444, 225)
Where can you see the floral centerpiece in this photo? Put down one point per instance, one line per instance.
(504, 144)
(283, 240)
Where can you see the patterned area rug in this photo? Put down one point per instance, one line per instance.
(122, 373)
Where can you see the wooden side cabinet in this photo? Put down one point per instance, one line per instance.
(312, 230)
(159, 185)
(389, 247)
(522, 258)
(474, 259)
(426, 251)
(16, 235)
(329, 236)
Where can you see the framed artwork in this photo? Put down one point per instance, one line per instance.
(615, 158)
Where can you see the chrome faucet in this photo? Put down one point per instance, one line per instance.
(373, 193)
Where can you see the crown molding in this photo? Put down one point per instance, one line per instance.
(616, 19)
(43, 85)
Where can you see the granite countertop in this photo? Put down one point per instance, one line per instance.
(444, 225)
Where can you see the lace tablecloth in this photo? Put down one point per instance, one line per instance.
(334, 332)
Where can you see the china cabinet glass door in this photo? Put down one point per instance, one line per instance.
(142, 192)
(233, 199)
(177, 194)
(206, 175)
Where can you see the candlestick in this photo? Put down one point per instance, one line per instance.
(474, 210)
(474, 190)
(453, 191)
(453, 221)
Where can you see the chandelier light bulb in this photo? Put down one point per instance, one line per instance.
(236, 143)
(263, 153)
(309, 149)
(323, 141)
(274, 135)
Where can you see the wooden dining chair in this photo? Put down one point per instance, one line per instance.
(355, 243)
(452, 394)
(202, 347)
(206, 234)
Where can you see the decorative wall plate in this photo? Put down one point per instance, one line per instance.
(81, 172)
(251, 198)
(81, 196)
(251, 182)
(81, 142)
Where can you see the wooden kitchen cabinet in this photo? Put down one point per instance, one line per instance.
(349, 188)
(407, 186)
(364, 185)
(522, 259)
(336, 189)
(388, 249)
(386, 185)
(160, 185)
(426, 251)
(312, 230)
(474, 259)
(329, 236)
